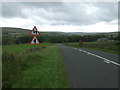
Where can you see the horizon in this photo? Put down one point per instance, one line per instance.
(59, 31)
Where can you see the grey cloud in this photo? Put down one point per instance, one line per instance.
(105, 12)
(59, 13)
(10, 9)
(42, 4)
(109, 11)
(14, 9)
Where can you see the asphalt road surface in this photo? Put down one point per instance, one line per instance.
(90, 68)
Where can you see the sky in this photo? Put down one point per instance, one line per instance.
(61, 16)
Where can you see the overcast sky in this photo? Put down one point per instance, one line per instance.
(61, 16)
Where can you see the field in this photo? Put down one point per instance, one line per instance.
(41, 66)
(107, 46)
(24, 67)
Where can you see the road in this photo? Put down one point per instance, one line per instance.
(90, 68)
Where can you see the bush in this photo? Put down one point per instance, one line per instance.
(44, 46)
(80, 43)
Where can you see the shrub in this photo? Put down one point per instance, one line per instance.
(80, 43)
(44, 46)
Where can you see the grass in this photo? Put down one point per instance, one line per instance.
(39, 69)
(0, 66)
(95, 42)
(106, 46)
(18, 48)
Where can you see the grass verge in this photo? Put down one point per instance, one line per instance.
(38, 69)
(106, 46)
(18, 48)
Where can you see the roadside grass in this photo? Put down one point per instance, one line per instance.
(0, 66)
(95, 42)
(106, 46)
(18, 48)
(39, 69)
(47, 71)
(13, 62)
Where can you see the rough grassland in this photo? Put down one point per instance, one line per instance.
(18, 48)
(106, 46)
(43, 69)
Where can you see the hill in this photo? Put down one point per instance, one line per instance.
(20, 31)
(6, 30)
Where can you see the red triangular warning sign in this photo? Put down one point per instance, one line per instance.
(34, 31)
(34, 40)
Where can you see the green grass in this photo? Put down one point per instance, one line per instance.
(106, 46)
(96, 42)
(38, 69)
(0, 66)
(18, 48)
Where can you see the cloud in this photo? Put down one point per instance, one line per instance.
(29, 23)
(10, 10)
(60, 14)
(16, 22)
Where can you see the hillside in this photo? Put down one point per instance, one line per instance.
(11, 30)
(6, 30)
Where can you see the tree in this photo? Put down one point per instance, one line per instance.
(24, 39)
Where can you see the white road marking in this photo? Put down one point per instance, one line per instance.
(105, 59)
(75, 48)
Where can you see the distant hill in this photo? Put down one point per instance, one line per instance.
(79, 33)
(9, 30)
(114, 34)
(6, 30)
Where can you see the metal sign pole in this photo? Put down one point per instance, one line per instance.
(34, 40)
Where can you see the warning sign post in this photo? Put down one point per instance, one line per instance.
(34, 40)
(35, 33)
